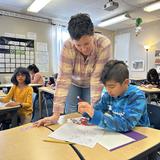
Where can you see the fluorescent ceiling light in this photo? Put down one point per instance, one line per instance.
(114, 20)
(152, 7)
(37, 5)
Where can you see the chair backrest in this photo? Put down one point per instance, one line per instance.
(154, 115)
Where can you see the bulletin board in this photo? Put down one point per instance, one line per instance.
(15, 52)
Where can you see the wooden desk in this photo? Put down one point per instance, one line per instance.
(149, 91)
(26, 143)
(41, 91)
(9, 85)
(12, 111)
(134, 151)
(6, 85)
(2, 94)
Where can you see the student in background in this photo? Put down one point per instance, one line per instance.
(152, 79)
(36, 76)
(82, 60)
(20, 94)
(123, 106)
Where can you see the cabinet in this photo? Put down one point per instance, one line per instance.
(15, 52)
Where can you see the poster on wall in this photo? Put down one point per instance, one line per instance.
(137, 66)
(157, 60)
(157, 53)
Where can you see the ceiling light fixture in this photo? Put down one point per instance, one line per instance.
(37, 5)
(114, 20)
(152, 7)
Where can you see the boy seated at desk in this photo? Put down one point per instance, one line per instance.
(123, 106)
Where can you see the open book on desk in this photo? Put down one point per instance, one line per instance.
(90, 135)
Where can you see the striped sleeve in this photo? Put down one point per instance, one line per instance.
(64, 77)
(104, 52)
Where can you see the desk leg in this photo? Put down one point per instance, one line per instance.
(40, 104)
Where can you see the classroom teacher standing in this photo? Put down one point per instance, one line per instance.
(82, 59)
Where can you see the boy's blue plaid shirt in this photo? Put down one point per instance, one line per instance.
(122, 113)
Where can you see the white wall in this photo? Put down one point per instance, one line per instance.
(122, 42)
(45, 33)
(21, 26)
(150, 35)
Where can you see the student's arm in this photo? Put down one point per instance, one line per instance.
(36, 78)
(133, 112)
(28, 101)
(104, 49)
(99, 106)
(9, 96)
(62, 85)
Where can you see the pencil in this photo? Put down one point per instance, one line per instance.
(53, 141)
(79, 99)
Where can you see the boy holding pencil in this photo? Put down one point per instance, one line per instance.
(123, 106)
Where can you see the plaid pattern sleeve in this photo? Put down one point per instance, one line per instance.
(104, 51)
(64, 77)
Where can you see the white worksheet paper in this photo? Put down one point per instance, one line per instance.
(112, 140)
(90, 135)
(80, 134)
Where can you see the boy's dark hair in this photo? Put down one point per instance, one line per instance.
(21, 70)
(152, 72)
(33, 68)
(80, 25)
(115, 70)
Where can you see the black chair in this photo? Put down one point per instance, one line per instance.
(154, 115)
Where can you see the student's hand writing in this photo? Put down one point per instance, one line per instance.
(11, 104)
(47, 121)
(85, 107)
(149, 86)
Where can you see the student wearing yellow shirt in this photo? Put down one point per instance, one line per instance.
(20, 94)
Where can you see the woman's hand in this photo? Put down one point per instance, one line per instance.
(47, 120)
(85, 107)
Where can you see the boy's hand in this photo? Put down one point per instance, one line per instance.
(85, 107)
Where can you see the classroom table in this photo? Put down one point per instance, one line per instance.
(26, 143)
(9, 85)
(12, 111)
(42, 90)
(149, 91)
(134, 151)
(2, 94)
